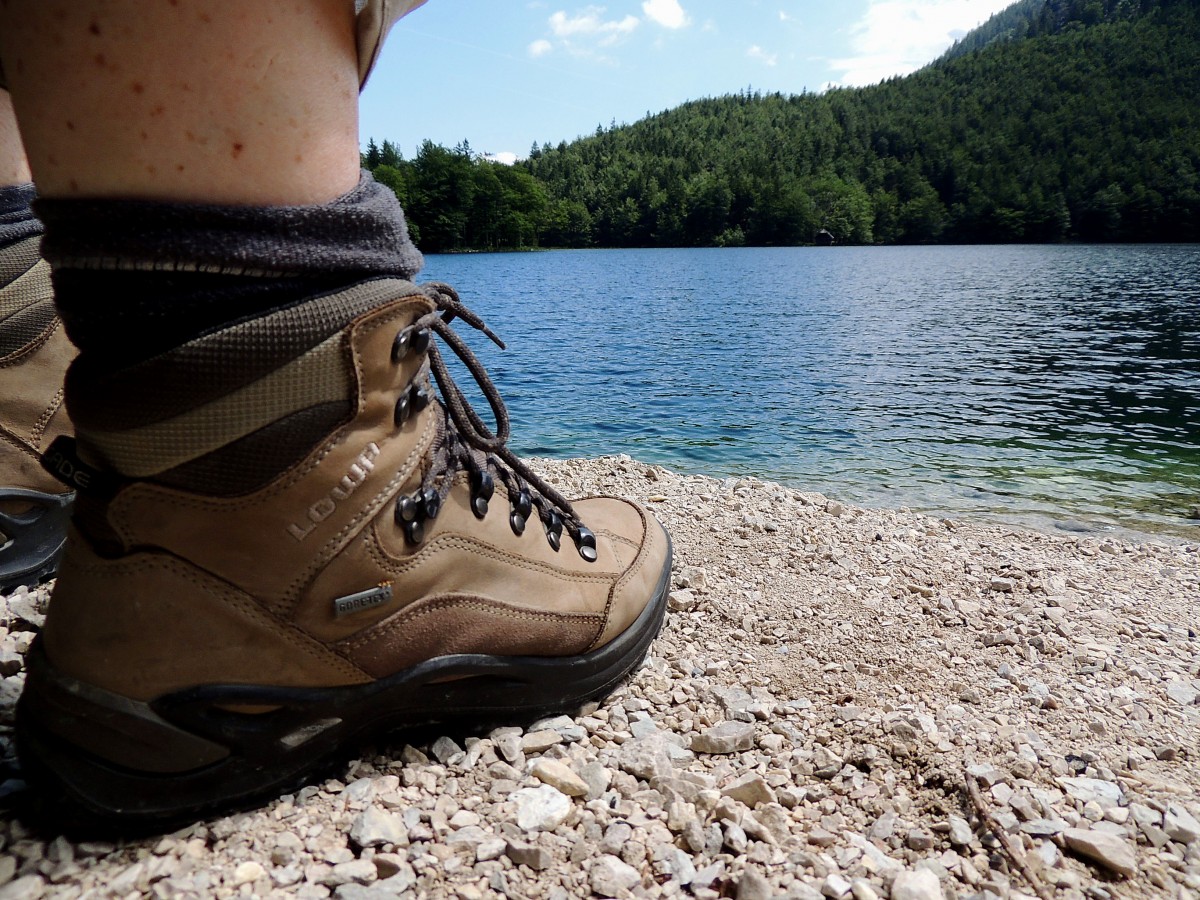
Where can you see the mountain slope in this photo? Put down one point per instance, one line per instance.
(1057, 119)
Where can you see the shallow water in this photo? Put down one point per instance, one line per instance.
(1053, 385)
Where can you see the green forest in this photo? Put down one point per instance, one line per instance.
(1057, 120)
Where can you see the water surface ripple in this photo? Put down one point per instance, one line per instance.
(1056, 385)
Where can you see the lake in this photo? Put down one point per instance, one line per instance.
(1057, 386)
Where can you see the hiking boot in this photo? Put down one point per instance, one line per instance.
(305, 547)
(34, 354)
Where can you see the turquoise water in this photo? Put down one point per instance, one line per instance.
(1058, 385)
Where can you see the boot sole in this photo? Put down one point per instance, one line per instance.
(35, 539)
(101, 763)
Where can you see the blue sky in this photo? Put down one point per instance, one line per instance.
(503, 74)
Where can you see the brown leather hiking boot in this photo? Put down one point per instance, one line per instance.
(34, 355)
(214, 638)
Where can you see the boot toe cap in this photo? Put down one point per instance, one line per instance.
(643, 550)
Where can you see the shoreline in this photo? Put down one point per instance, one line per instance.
(829, 680)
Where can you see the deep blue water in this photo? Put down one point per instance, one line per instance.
(1052, 384)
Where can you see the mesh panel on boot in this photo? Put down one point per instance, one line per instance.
(25, 326)
(18, 259)
(251, 462)
(215, 365)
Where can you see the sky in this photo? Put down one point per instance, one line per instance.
(502, 74)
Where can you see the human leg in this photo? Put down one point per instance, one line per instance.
(284, 541)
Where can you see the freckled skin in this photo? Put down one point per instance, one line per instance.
(214, 105)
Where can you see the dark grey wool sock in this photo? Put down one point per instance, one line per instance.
(17, 221)
(136, 278)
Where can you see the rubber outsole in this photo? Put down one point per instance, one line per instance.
(151, 767)
(33, 541)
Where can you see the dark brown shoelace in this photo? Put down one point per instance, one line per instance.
(467, 442)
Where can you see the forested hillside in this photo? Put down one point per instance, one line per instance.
(1057, 120)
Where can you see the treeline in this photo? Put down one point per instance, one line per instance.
(1072, 120)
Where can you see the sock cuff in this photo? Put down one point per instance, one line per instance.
(362, 233)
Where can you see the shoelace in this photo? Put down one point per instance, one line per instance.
(467, 443)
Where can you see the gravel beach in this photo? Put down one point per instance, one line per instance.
(843, 703)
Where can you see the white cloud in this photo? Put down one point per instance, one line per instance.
(767, 59)
(784, 17)
(589, 23)
(667, 13)
(507, 157)
(895, 37)
(540, 48)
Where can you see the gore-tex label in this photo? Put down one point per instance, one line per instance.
(352, 603)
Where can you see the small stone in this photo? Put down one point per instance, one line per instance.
(750, 789)
(30, 887)
(961, 834)
(531, 855)
(753, 885)
(919, 839)
(642, 728)
(509, 746)
(1085, 790)
(693, 577)
(540, 741)
(835, 509)
(1043, 827)
(1182, 692)
(444, 750)
(1108, 850)
(375, 827)
(917, 885)
(863, 890)
(388, 864)
(492, 848)
(616, 836)
(598, 779)
(735, 838)
(609, 876)
(646, 758)
(727, 737)
(247, 873)
(560, 776)
(835, 887)
(468, 837)
(682, 601)
(542, 808)
(358, 871)
(1180, 825)
(286, 876)
(1002, 585)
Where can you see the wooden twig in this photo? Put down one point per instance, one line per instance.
(1006, 843)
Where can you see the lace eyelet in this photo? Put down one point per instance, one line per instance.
(431, 503)
(402, 345)
(523, 504)
(407, 511)
(415, 532)
(554, 528)
(586, 542)
(403, 410)
(421, 397)
(517, 522)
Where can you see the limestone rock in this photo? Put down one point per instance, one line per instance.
(542, 808)
(560, 776)
(728, 737)
(1108, 850)
(609, 876)
(917, 885)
